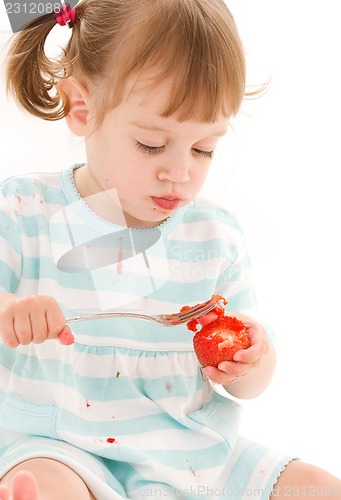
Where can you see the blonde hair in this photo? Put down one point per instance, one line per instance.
(192, 43)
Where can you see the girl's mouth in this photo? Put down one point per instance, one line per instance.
(167, 203)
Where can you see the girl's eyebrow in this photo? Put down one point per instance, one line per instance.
(154, 128)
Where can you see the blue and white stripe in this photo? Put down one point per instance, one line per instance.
(133, 382)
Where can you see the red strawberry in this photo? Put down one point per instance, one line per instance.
(219, 340)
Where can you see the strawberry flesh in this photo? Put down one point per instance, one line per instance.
(219, 340)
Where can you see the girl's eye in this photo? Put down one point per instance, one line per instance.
(152, 150)
(205, 154)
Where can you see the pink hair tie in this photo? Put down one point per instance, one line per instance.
(65, 16)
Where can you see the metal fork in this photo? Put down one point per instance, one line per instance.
(175, 319)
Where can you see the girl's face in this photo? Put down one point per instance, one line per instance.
(155, 165)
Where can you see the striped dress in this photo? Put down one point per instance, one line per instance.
(125, 406)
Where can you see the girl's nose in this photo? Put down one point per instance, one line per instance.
(177, 171)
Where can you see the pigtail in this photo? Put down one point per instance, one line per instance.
(193, 44)
(31, 75)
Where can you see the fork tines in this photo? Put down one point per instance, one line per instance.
(200, 308)
(195, 311)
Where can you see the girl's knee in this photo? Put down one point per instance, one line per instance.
(55, 479)
(300, 480)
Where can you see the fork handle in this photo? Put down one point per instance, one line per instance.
(88, 317)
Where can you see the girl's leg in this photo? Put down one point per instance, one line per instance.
(300, 481)
(54, 481)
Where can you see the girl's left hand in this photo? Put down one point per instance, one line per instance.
(245, 360)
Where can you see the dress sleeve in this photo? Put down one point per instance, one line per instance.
(10, 253)
(235, 282)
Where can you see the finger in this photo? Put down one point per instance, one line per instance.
(207, 318)
(258, 347)
(225, 377)
(216, 375)
(39, 327)
(9, 337)
(234, 369)
(66, 337)
(54, 318)
(250, 355)
(256, 333)
(22, 327)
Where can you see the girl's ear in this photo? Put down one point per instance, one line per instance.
(77, 95)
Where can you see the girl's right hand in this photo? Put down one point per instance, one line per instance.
(31, 319)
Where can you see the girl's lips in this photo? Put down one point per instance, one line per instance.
(167, 203)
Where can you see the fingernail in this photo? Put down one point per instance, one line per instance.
(66, 337)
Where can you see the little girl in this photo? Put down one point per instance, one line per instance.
(117, 408)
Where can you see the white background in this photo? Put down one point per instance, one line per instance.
(278, 172)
